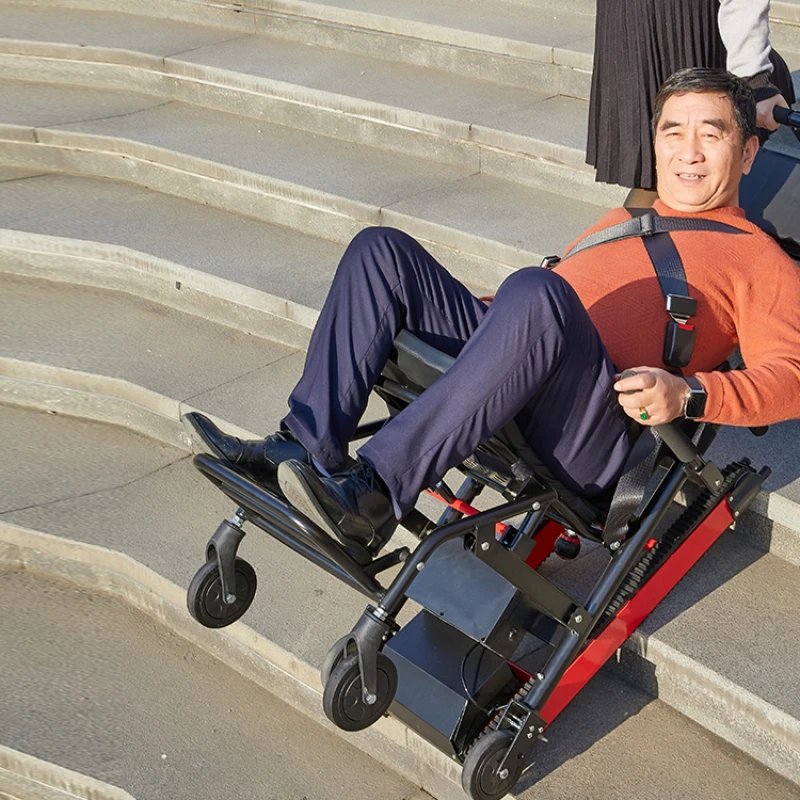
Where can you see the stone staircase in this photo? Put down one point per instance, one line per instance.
(177, 183)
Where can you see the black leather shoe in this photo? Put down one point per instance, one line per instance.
(259, 458)
(354, 506)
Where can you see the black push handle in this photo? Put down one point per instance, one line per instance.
(785, 116)
(672, 436)
(678, 442)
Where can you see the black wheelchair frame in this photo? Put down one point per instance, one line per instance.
(420, 672)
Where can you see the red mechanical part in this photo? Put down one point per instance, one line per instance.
(633, 613)
(543, 543)
(500, 528)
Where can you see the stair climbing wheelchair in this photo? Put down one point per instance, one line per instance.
(450, 673)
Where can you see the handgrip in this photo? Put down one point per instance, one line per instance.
(677, 441)
(674, 438)
(785, 116)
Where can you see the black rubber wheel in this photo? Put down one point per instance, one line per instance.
(204, 596)
(480, 779)
(567, 548)
(343, 701)
(332, 659)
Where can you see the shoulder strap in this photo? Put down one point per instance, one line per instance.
(654, 231)
(644, 223)
(664, 255)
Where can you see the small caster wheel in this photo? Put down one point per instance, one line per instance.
(334, 656)
(204, 597)
(568, 546)
(343, 699)
(480, 778)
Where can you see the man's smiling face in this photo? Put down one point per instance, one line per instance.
(699, 154)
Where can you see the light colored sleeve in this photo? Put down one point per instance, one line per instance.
(744, 28)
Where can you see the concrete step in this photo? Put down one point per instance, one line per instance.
(24, 777)
(237, 271)
(421, 111)
(286, 262)
(285, 177)
(535, 43)
(96, 686)
(501, 41)
(149, 733)
(709, 645)
(105, 486)
(191, 361)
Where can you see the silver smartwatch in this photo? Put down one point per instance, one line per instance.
(695, 404)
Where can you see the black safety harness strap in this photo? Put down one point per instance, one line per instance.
(645, 222)
(654, 231)
(679, 339)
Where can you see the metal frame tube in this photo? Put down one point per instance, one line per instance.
(621, 564)
(395, 593)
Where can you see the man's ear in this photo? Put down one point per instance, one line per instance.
(750, 150)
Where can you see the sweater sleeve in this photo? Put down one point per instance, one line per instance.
(744, 28)
(768, 329)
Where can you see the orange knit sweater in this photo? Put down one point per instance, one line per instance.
(748, 295)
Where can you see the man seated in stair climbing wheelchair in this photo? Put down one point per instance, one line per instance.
(567, 371)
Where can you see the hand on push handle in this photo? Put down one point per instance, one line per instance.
(650, 395)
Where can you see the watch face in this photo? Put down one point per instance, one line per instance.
(695, 403)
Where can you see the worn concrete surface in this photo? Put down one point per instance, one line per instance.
(360, 77)
(161, 511)
(101, 689)
(507, 20)
(272, 258)
(39, 105)
(161, 515)
(25, 777)
(115, 334)
(367, 175)
(127, 690)
(483, 215)
(108, 29)
(499, 219)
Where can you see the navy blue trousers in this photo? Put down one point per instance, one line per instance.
(533, 355)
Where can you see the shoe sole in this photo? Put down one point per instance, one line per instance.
(298, 493)
(198, 440)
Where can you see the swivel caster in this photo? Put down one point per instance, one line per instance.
(481, 778)
(343, 699)
(204, 596)
(334, 656)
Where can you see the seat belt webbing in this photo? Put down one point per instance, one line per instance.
(645, 223)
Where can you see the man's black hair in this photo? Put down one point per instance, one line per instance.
(717, 81)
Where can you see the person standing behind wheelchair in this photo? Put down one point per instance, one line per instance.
(639, 44)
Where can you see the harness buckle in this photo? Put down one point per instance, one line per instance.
(647, 224)
(678, 344)
(681, 308)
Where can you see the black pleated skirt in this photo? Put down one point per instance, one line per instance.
(638, 45)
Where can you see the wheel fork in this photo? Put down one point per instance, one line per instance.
(223, 546)
(368, 636)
